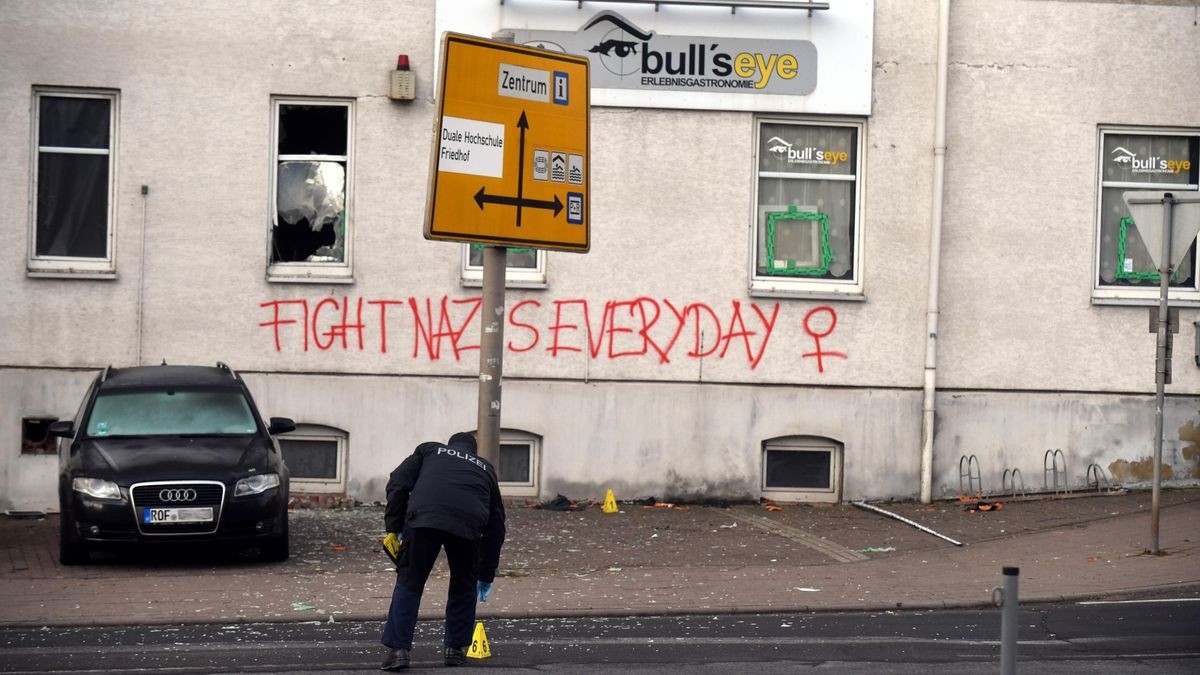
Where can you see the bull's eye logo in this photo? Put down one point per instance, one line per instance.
(618, 48)
(778, 146)
(1123, 156)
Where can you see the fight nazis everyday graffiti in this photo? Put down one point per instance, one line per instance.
(447, 327)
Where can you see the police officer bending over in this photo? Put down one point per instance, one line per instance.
(441, 496)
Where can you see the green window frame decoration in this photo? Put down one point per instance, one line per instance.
(790, 268)
(1122, 242)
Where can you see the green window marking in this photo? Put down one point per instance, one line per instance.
(789, 268)
(1121, 244)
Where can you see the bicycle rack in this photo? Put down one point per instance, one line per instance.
(1095, 476)
(1050, 464)
(1008, 483)
(971, 473)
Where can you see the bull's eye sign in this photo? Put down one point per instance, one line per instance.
(509, 162)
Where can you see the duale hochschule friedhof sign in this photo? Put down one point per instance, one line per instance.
(509, 165)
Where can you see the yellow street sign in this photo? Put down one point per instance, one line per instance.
(509, 164)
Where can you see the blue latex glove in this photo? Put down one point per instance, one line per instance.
(483, 590)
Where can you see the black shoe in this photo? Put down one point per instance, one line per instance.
(397, 660)
(455, 657)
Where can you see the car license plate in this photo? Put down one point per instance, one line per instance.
(192, 515)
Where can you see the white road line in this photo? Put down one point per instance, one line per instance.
(1137, 602)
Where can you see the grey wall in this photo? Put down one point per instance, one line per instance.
(1027, 361)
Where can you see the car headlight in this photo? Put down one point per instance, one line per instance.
(256, 484)
(96, 487)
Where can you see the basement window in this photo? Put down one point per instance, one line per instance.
(802, 468)
(518, 470)
(310, 186)
(35, 436)
(316, 458)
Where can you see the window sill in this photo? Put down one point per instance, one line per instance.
(509, 283)
(518, 490)
(101, 275)
(1146, 301)
(806, 294)
(276, 278)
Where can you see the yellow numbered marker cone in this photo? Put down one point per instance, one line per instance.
(610, 503)
(479, 643)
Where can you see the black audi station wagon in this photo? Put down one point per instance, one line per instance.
(171, 454)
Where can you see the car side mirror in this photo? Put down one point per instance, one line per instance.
(281, 425)
(63, 429)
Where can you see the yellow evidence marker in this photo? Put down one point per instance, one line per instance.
(479, 643)
(610, 502)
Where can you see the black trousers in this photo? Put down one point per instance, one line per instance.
(421, 547)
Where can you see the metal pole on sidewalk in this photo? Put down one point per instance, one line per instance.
(491, 353)
(1160, 366)
(1008, 621)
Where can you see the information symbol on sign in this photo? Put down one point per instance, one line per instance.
(575, 208)
(560, 88)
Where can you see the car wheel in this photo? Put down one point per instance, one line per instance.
(276, 549)
(72, 550)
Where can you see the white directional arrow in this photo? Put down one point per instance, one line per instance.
(1148, 207)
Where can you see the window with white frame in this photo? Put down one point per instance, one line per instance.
(1135, 158)
(71, 231)
(316, 458)
(807, 202)
(311, 181)
(519, 455)
(525, 268)
(802, 468)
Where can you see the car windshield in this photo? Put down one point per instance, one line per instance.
(171, 412)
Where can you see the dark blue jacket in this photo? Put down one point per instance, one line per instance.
(448, 487)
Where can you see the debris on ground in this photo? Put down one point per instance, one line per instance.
(560, 503)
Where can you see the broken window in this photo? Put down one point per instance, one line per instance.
(72, 217)
(309, 234)
(807, 202)
(35, 436)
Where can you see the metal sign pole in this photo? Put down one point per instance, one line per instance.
(491, 353)
(1160, 366)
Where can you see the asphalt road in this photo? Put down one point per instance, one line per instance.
(1157, 635)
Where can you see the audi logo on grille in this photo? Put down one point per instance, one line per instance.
(177, 495)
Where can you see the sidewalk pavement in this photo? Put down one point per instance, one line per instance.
(644, 560)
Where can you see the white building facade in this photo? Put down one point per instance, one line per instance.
(770, 204)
